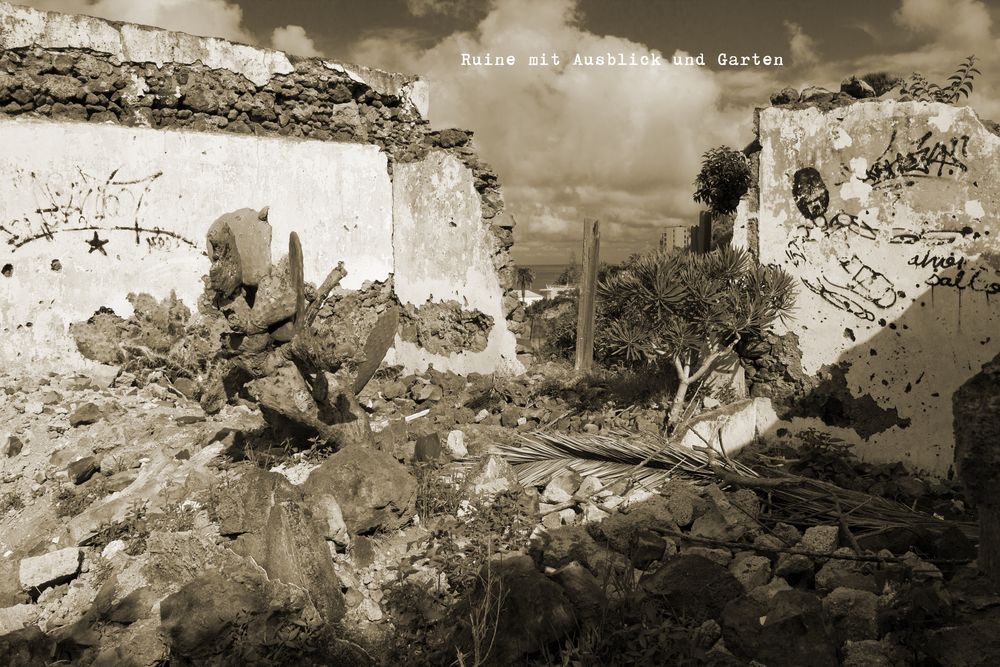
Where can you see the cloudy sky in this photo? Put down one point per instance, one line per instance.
(621, 144)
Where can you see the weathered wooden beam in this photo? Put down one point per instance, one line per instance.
(588, 294)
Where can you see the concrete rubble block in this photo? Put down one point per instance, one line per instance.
(13, 446)
(735, 424)
(723, 520)
(282, 529)
(88, 413)
(790, 630)
(428, 447)
(80, 470)
(50, 569)
(371, 487)
(763, 594)
(583, 590)
(842, 573)
(456, 445)
(721, 556)
(563, 545)
(492, 477)
(821, 539)
(727, 377)
(561, 487)
(854, 614)
(750, 569)
(239, 245)
(692, 586)
(17, 617)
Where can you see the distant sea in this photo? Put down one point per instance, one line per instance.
(545, 274)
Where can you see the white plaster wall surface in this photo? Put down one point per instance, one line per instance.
(444, 252)
(127, 209)
(887, 214)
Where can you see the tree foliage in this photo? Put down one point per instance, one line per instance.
(723, 180)
(689, 309)
(881, 82)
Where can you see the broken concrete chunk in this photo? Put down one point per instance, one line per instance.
(13, 446)
(239, 245)
(19, 616)
(88, 413)
(50, 569)
(81, 470)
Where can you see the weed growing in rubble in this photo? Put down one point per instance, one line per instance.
(70, 501)
(917, 87)
(465, 538)
(11, 502)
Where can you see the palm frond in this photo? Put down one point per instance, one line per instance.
(651, 461)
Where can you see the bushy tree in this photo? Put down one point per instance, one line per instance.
(687, 310)
(881, 82)
(723, 180)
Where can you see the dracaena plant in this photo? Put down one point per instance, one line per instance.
(688, 310)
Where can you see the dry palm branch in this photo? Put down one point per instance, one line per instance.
(651, 460)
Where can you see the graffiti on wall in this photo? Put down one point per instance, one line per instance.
(849, 282)
(96, 208)
(924, 157)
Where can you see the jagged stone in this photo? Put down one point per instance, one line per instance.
(857, 88)
(372, 488)
(692, 586)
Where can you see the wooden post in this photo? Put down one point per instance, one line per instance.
(588, 294)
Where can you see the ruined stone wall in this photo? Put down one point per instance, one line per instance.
(123, 143)
(886, 213)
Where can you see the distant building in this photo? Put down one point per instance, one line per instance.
(553, 291)
(528, 297)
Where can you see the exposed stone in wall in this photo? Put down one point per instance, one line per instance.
(312, 102)
(445, 328)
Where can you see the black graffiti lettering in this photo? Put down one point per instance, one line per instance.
(937, 263)
(923, 159)
(89, 204)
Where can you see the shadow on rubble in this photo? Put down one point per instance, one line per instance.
(921, 360)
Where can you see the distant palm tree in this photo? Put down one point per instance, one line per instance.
(525, 277)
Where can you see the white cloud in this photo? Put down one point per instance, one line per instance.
(438, 7)
(803, 46)
(957, 23)
(293, 39)
(209, 18)
(622, 144)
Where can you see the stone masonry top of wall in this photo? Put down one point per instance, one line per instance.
(23, 27)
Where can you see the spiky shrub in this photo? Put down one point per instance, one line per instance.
(918, 88)
(723, 180)
(688, 310)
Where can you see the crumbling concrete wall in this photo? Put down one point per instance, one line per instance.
(123, 143)
(886, 213)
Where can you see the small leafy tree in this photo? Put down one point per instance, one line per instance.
(689, 309)
(723, 180)
(917, 87)
(525, 276)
